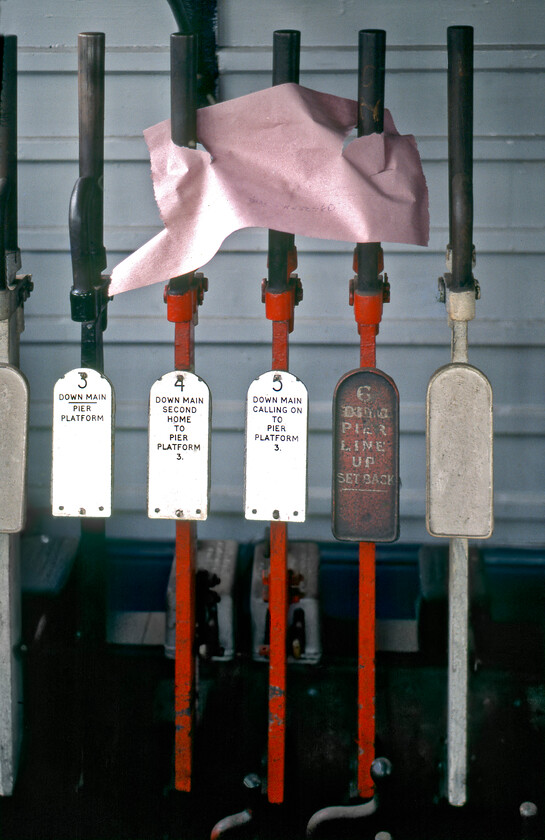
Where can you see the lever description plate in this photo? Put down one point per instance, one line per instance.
(179, 447)
(275, 485)
(83, 418)
(366, 457)
(459, 436)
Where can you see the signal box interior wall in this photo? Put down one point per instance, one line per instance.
(233, 338)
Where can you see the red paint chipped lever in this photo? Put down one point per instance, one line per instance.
(281, 292)
(366, 429)
(182, 297)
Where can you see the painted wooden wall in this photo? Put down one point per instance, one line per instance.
(506, 340)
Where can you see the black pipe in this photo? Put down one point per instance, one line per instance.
(88, 296)
(8, 150)
(86, 213)
(460, 154)
(91, 49)
(371, 71)
(183, 89)
(286, 53)
(91, 104)
(286, 49)
(184, 51)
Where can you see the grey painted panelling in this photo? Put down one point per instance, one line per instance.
(56, 23)
(506, 340)
(251, 22)
(335, 22)
(518, 185)
(512, 299)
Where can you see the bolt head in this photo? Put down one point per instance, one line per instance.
(381, 768)
(252, 781)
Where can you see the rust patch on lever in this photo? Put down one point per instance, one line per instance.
(366, 457)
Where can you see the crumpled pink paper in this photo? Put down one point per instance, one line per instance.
(275, 159)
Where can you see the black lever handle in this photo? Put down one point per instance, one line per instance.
(88, 296)
(286, 55)
(8, 150)
(460, 154)
(286, 50)
(91, 46)
(184, 51)
(371, 71)
(183, 89)
(91, 49)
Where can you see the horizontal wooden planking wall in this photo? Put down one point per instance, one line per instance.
(506, 339)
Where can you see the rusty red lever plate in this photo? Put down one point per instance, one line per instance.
(366, 457)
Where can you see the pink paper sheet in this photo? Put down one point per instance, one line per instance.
(275, 159)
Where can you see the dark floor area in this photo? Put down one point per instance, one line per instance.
(97, 762)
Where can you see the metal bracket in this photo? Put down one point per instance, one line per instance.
(460, 305)
(443, 293)
(382, 278)
(15, 296)
(183, 295)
